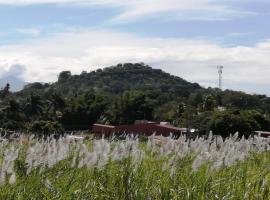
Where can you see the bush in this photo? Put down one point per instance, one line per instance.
(46, 127)
(232, 121)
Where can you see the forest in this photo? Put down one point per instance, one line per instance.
(127, 92)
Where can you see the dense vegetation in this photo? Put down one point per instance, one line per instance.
(127, 92)
(205, 169)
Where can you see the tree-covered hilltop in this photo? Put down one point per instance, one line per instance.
(127, 92)
(116, 80)
(124, 77)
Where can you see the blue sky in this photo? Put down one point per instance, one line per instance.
(184, 37)
(247, 28)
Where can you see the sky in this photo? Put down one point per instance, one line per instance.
(187, 38)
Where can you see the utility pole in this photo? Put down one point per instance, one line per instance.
(220, 71)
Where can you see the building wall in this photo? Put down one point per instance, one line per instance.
(146, 129)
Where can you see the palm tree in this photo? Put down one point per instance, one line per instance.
(55, 103)
(13, 111)
(5, 91)
(34, 105)
(13, 106)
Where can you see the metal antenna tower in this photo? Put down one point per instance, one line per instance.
(220, 71)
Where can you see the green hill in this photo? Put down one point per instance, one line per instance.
(127, 92)
(116, 80)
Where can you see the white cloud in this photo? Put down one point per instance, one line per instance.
(134, 9)
(29, 31)
(245, 67)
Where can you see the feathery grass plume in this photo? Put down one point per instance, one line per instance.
(74, 160)
(92, 159)
(2, 177)
(10, 155)
(12, 179)
(159, 158)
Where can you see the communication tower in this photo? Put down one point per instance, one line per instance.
(220, 71)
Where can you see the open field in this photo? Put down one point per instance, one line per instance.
(160, 168)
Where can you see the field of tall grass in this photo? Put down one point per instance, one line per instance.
(157, 168)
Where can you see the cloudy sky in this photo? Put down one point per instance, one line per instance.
(188, 38)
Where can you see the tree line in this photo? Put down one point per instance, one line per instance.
(127, 92)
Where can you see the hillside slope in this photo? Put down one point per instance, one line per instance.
(116, 80)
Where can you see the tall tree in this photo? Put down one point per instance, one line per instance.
(132, 106)
(209, 103)
(55, 102)
(231, 121)
(5, 91)
(64, 76)
(34, 106)
(84, 110)
(12, 116)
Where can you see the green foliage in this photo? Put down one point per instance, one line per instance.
(45, 128)
(11, 116)
(248, 179)
(64, 76)
(130, 107)
(167, 112)
(124, 93)
(232, 121)
(20, 167)
(83, 110)
(5, 91)
(55, 104)
(124, 77)
(33, 106)
(209, 103)
(240, 100)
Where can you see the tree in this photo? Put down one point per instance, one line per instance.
(167, 112)
(209, 103)
(55, 103)
(34, 106)
(64, 76)
(46, 128)
(195, 99)
(12, 116)
(84, 110)
(232, 121)
(181, 115)
(240, 100)
(13, 107)
(5, 91)
(131, 106)
(180, 110)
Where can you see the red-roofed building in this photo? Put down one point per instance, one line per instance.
(145, 128)
(262, 133)
(103, 129)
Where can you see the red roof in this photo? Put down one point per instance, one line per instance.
(143, 128)
(173, 128)
(103, 129)
(263, 133)
(104, 125)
